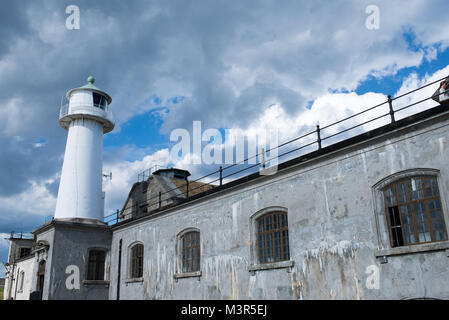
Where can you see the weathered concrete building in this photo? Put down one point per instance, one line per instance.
(339, 227)
(364, 218)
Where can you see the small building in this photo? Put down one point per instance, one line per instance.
(17, 284)
(164, 187)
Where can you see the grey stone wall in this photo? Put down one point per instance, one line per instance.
(46, 236)
(69, 245)
(336, 231)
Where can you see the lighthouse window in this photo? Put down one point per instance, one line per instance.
(99, 100)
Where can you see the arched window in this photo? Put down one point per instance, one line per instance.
(190, 244)
(414, 212)
(136, 261)
(22, 280)
(272, 237)
(95, 268)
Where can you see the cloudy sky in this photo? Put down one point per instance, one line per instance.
(240, 65)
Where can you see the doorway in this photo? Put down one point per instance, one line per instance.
(41, 278)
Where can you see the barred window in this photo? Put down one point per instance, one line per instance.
(191, 251)
(272, 237)
(414, 211)
(95, 268)
(137, 261)
(23, 252)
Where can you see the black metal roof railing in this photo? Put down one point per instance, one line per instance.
(225, 173)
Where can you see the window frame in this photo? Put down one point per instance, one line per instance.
(24, 252)
(180, 272)
(194, 263)
(409, 201)
(131, 267)
(255, 263)
(380, 220)
(104, 251)
(270, 244)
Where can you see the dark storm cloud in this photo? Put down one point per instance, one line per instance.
(13, 21)
(229, 59)
(21, 223)
(20, 161)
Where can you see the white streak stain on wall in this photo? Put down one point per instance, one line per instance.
(224, 269)
(441, 142)
(325, 196)
(236, 209)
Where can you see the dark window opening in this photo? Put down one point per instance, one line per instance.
(41, 278)
(414, 212)
(191, 252)
(99, 100)
(272, 237)
(23, 252)
(137, 261)
(95, 269)
(396, 229)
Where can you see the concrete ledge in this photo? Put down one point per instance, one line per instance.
(270, 266)
(30, 256)
(187, 275)
(417, 248)
(73, 223)
(96, 282)
(132, 280)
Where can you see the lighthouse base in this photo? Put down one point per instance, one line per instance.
(64, 246)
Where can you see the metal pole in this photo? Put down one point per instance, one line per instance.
(221, 176)
(318, 132)
(187, 188)
(119, 268)
(390, 103)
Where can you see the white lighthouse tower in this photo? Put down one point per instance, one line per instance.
(86, 117)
